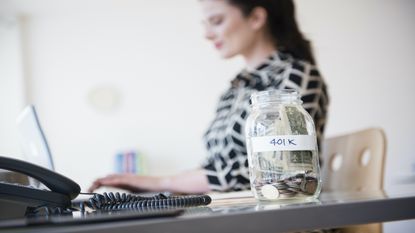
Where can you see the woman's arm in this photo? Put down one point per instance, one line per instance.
(186, 182)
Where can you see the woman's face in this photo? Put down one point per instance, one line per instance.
(229, 30)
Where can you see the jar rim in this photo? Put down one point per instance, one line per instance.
(283, 92)
(276, 96)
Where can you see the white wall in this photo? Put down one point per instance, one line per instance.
(152, 58)
(366, 51)
(11, 84)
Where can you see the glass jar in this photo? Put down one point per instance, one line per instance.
(282, 148)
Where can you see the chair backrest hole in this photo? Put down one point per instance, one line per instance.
(336, 162)
(365, 158)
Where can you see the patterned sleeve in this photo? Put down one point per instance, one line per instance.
(227, 166)
(307, 80)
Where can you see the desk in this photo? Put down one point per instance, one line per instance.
(246, 215)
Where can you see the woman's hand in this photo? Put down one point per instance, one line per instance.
(134, 183)
(187, 182)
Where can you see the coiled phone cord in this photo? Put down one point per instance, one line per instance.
(117, 201)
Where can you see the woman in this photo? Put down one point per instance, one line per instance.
(265, 34)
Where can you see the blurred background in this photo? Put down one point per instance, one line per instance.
(116, 75)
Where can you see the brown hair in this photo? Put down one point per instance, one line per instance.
(282, 25)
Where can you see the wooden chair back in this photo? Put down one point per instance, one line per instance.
(355, 161)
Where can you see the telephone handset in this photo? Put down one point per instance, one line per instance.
(62, 189)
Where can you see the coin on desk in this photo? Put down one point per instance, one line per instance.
(270, 192)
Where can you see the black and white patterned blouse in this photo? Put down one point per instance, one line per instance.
(226, 165)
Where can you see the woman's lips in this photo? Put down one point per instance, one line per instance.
(218, 45)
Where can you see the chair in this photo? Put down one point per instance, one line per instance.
(355, 162)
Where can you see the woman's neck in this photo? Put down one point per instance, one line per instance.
(258, 53)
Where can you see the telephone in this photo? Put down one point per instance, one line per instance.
(63, 190)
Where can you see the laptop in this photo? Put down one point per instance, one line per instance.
(32, 139)
(36, 150)
(35, 146)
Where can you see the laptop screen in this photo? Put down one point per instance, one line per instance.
(32, 139)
